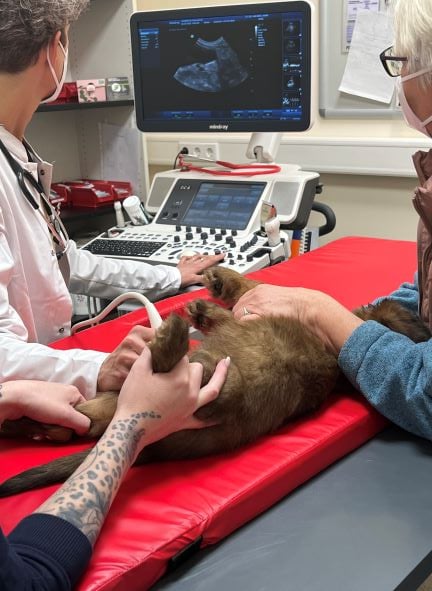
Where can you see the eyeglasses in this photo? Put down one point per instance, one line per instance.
(392, 64)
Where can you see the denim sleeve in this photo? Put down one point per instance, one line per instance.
(406, 294)
(393, 373)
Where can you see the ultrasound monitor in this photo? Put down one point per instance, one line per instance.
(244, 67)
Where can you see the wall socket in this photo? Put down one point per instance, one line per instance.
(203, 150)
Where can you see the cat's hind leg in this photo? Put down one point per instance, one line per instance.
(170, 344)
(99, 410)
(226, 284)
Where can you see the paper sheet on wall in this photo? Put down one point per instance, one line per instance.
(364, 75)
(121, 154)
(351, 9)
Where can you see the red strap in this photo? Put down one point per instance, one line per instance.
(233, 169)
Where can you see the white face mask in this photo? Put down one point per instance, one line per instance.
(59, 83)
(409, 115)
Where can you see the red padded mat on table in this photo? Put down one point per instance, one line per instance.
(161, 508)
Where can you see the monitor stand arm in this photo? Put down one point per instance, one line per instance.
(263, 147)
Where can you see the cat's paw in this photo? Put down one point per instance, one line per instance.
(214, 281)
(226, 284)
(204, 315)
(198, 314)
(170, 344)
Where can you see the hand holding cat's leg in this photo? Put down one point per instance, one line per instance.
(99, 410)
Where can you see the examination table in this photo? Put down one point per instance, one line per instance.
(164, 513)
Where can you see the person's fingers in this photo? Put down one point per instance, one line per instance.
(144, 360)
(125, 358)
(199, 262)
(239, 308)
(147, 332)
(184, 260)
(77, 398)
(195, 376)
(250, 316)
(75, 420)
(142, 365)
(135, 341)
(211, 390)
(244, 311)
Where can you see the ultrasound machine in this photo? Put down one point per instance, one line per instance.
(244, 68)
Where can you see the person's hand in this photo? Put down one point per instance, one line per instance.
(270, 300)
(166, 402)
(325, 317)
(116, 366)
(191, 267)
(46, 402)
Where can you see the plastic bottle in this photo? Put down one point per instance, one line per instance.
(120, 221)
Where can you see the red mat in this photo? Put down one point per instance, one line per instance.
(162, 508)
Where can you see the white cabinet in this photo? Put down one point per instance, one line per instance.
(71, 137)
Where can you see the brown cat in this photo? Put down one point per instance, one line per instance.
(279, 370)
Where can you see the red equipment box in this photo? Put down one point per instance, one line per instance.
(93, 193)
(59, 195)
(68, 94)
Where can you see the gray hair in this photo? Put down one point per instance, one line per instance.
(26, 26)
(413, 33)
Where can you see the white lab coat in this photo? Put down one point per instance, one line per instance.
(35, 305)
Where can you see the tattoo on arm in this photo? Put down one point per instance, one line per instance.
(85, 498)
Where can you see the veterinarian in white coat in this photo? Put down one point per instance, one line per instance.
(38, 264)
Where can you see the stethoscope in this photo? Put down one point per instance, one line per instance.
(24, 177)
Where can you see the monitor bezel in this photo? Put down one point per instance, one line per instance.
(205, 125)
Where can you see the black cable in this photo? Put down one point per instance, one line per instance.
(182, 151)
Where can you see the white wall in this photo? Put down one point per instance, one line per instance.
(373, 201)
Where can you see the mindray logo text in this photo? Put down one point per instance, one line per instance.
(221, 126)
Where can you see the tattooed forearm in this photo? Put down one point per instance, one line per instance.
(85, 498)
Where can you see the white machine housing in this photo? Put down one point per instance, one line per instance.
(170, 235)
(291, 191)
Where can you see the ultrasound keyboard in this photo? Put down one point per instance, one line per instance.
(244, 251)
(128, 249)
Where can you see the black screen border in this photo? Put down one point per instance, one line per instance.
(204, 125)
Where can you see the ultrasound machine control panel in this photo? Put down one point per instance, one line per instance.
(201, 214)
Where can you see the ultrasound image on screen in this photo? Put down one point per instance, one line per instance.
(222, 71)
(214, 59)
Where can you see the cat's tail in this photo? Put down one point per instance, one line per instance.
(52, 472)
